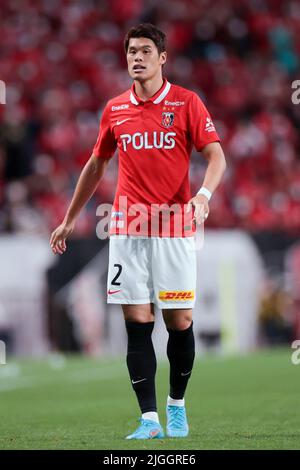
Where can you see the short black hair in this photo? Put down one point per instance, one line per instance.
(147, 30)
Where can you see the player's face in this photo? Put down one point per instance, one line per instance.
(144, 61)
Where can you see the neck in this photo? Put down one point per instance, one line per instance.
(148, 88)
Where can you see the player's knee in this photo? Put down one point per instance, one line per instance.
(179, 324)
(137, 315)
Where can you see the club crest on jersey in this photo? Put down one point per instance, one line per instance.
(167, 119)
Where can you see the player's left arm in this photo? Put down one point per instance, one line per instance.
(214, 154)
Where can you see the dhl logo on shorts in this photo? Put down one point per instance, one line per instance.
(176, 295)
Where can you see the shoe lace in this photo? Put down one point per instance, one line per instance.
(177, 416)
(146, 422)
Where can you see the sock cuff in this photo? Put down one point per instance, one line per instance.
(137, 326)
(152, 415)
(175, 402)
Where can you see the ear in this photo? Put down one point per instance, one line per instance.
(163, 58)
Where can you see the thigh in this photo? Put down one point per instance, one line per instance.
(174, 272)
(129, 278)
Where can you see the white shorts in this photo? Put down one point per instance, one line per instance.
(152, 270)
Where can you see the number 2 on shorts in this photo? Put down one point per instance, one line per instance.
(114, 281)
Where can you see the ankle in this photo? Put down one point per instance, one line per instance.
(152, 415)
(174, 402)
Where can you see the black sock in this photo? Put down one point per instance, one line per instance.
(181, 354)
(141, 363)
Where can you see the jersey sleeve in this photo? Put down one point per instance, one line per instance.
(201, 126)
(106, 144)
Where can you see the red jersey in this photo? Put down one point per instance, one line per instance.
(155, 139)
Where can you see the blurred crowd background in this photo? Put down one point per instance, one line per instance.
(62, 60)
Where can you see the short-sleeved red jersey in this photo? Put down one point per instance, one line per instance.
(155, 139)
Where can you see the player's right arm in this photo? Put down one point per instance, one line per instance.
(85, 188)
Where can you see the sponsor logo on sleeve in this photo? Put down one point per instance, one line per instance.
(209, 125)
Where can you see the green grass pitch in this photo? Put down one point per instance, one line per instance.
(245, 402)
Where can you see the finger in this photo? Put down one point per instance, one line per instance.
(201, 214)
(62, 245)
(199, 210)
(196, 206)
(56, 249)
(52, 239)
(189, 205)
(59, 250)
(202, 218)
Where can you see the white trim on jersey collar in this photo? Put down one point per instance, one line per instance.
(158, 99)
(133, 99)
(163, 93)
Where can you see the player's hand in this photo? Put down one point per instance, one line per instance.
(200, 203)
(59, 236)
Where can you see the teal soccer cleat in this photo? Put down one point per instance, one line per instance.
(148, 429)
(177, 425)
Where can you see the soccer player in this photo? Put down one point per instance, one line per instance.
(154, 125)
